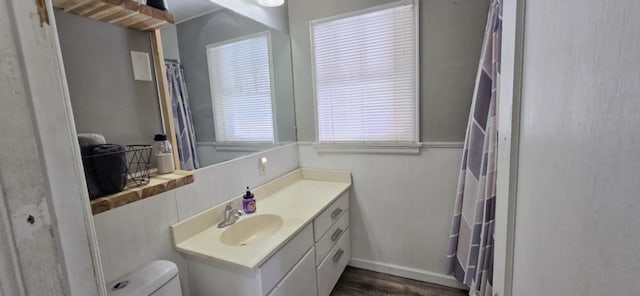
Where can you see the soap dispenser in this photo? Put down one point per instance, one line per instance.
(248, 202)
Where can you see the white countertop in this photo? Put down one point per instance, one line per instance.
(297, 198)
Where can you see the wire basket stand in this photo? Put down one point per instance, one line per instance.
(111, 172)
(138, 165)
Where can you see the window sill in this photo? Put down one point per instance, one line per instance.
(369, 148)
(249, 147)
(381, 148)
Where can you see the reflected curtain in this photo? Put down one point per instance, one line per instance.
(470, 255)
(182, 118)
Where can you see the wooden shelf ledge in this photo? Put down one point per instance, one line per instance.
(125, 13)
(157, 185)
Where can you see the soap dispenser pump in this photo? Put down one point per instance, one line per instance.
(248, 202)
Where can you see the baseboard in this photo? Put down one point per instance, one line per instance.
(407, 272)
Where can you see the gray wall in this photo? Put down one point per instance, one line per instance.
(283, 84)
(170, 43)
(576, 228)
(196, 34)
(451, 33)
(104, 96)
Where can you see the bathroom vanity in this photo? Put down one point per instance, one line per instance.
(297, 242)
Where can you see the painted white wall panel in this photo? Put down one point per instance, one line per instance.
(52, 252)
(401, 208)
(10, 279)
(578, 181)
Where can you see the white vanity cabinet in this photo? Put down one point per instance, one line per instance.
(333, 243)
(322, 266)
(301, 280)
(309, 264)
(302, 252)
(330, 269)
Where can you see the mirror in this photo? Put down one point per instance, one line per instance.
(238, 78)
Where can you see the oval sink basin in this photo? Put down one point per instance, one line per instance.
(251, 230)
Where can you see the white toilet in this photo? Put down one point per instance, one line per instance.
(158, 278)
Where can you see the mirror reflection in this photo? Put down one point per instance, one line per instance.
(233, 80)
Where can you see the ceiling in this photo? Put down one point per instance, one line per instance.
(186, 9)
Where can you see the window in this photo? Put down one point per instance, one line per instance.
(365, 74)
(240, 77)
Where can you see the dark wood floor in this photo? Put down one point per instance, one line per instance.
(360, 282)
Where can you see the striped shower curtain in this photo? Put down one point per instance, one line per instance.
(185, 133)
(470, 254)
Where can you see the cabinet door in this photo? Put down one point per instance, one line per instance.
(333, 265)
(300, 281)
(272, 271)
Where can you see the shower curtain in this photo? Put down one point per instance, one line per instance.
(470, 255)
(185, 133)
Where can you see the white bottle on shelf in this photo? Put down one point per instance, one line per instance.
(163, 154)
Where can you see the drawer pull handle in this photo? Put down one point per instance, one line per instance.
(336, 234)
(338, 255)
(336, 213)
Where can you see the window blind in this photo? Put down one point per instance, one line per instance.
(366, 76)
(240, 78)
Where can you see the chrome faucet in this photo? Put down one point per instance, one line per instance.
(230, 216)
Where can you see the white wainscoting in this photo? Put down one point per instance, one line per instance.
(138, 233)
(401, 208)
(218, 183)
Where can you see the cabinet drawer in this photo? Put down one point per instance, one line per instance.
(329, 239)
(333, 265)
(301, 280)
(272, 271)
(330, 215)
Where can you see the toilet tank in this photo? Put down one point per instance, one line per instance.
(158, 278)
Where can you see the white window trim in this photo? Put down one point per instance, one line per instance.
(381, 148)
(239, 146)
(369, 147)
(272, 86)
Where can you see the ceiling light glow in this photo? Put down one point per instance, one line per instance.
(270, 3)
